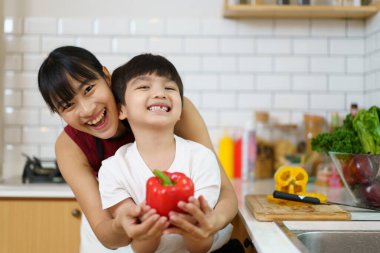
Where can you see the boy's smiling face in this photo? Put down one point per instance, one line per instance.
(151, 101)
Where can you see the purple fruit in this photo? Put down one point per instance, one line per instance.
(359, 170)
(371, 194)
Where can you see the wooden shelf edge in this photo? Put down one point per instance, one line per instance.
(376, 3)
(296, 12)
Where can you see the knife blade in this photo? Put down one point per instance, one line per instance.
(316, 201)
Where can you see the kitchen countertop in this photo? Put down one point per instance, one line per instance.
(14, 188)
(264, 234)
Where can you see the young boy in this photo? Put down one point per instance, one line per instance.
(153, 90)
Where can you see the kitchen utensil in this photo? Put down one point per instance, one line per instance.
(316, 201)
(265, 210)
(41, 171)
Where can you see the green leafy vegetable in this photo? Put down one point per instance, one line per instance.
(359, 134)
(365, 123)
(341, 140)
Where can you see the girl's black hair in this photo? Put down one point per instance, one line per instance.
(140, 65)
(62, 65)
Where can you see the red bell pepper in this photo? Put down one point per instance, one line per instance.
(165, 190)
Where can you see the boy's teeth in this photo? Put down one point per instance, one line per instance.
(97, 120)
(161, 108)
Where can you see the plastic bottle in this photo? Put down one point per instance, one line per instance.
(354, 109)
(226, 154)
(238, 156)
(248, 151)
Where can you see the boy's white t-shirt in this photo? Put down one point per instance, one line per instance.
(125, 175)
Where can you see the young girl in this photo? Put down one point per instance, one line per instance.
(75, 85)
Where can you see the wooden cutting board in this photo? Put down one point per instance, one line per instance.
(265, 210)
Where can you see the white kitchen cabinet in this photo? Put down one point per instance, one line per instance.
(39, 225)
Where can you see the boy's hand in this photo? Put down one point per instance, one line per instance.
(201, 223)
(197, 230)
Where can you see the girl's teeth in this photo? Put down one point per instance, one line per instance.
(97, 120)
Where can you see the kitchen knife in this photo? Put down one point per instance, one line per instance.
(312, 200)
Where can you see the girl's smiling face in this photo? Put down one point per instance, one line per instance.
(93, 108)
(151, 101)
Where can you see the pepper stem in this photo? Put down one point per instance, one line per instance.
(164, 178)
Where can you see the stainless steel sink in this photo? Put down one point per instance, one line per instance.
(312, 240)
(340, 241)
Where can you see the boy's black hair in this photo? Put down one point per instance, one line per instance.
(61, 65)
(140, 65)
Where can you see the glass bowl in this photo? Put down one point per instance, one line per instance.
(360, 174)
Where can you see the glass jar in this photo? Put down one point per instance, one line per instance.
(264, 164)
(313, 125)
(285, 142)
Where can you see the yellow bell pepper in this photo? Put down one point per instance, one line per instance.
(291, 179)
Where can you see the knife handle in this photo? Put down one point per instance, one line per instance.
(295, 197)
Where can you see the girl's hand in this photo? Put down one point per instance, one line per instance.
(200, 225)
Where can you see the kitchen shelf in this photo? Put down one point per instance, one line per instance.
(245, 11)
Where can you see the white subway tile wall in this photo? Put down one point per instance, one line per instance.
(310, 82)
(355, 28)
(76, 26)
(289, 27)
(43, 26)
(12, 97)
(230, 68)
(106, 26)
(355, 64)
(310, 46)
(185, 26)
(275, 46)
(254, 101)
(162, 45)
(259, 27)
(273, 82)
(148, 27)
(328, 28)
(100, 45)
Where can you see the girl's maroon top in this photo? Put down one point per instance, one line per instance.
(88, 144)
